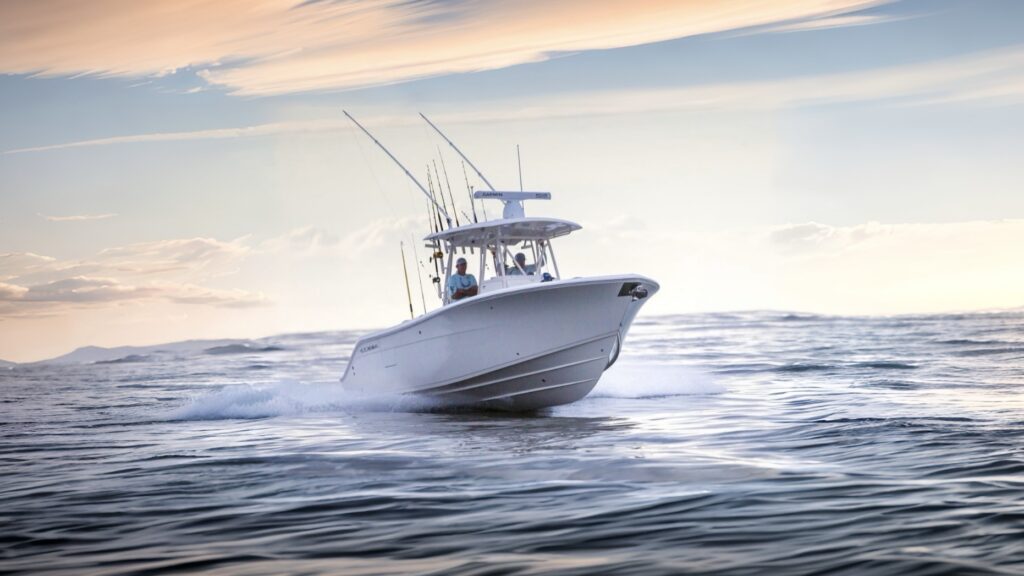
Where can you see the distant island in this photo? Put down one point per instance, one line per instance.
(130, 354)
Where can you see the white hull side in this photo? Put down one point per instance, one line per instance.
(522, 348)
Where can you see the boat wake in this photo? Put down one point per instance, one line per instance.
(654, 381)
(288, 398)
(247, 401)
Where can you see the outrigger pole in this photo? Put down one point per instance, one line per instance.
(454, 147)
(404, 169)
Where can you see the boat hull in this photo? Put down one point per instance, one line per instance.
(522, 348)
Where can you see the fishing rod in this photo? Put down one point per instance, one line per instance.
(404, 169)
(430, 219)
(449, 183)
(433, 224)
(430, 182)
(405, 271)
(440, 191)
(469, 191)
(436, 253)
(419, 273)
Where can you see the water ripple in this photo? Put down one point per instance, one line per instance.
(737, 443)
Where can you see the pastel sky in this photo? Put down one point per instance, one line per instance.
(182, 169)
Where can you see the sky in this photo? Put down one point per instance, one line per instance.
(182, 169)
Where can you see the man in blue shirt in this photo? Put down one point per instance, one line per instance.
(460, 284)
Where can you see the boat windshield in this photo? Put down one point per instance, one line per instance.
(514, 263)
(503, 253)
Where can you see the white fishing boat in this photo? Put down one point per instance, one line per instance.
(528, 338)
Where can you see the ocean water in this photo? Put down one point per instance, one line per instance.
(749, 443)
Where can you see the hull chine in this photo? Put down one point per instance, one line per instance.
(552, 379)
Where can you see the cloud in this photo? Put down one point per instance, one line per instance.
(14, 264)
(862, 268)
(305, 239)
(380, 238)
(234, 298)
(168, 271)
(796, 236)
(992, 77)
(371, 236)
(84, 289)
(186, 260)
(986, 78)
(76, 218)
(270, 129)
(10, 292)
(260, 47)
(896, 268)
(815, 238)
(193, 254)
(842, 21)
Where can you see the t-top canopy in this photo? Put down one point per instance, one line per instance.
(510, 229)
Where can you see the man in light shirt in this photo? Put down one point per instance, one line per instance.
(461, 284)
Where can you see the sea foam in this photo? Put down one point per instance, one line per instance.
(290, 399)
(630, 380)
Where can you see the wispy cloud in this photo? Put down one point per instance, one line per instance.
(862, 268)
(260, 47)
(14, 264)
(76, 217)
(841, 21)
(269, 129)
(897, 268)
(168, 271)
(301, 240)
(988, 78)
(85, 291)
(359, 242)
(930, 239)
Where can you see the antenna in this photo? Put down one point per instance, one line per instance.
(404, 169)
(519, 161)
(456, 148)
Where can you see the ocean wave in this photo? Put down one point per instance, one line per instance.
(803, 367)
(990, 351)
(890, 384)
(718, 444)
(885, 365)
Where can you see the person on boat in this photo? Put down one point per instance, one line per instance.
(461, 284)
(521, 267)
